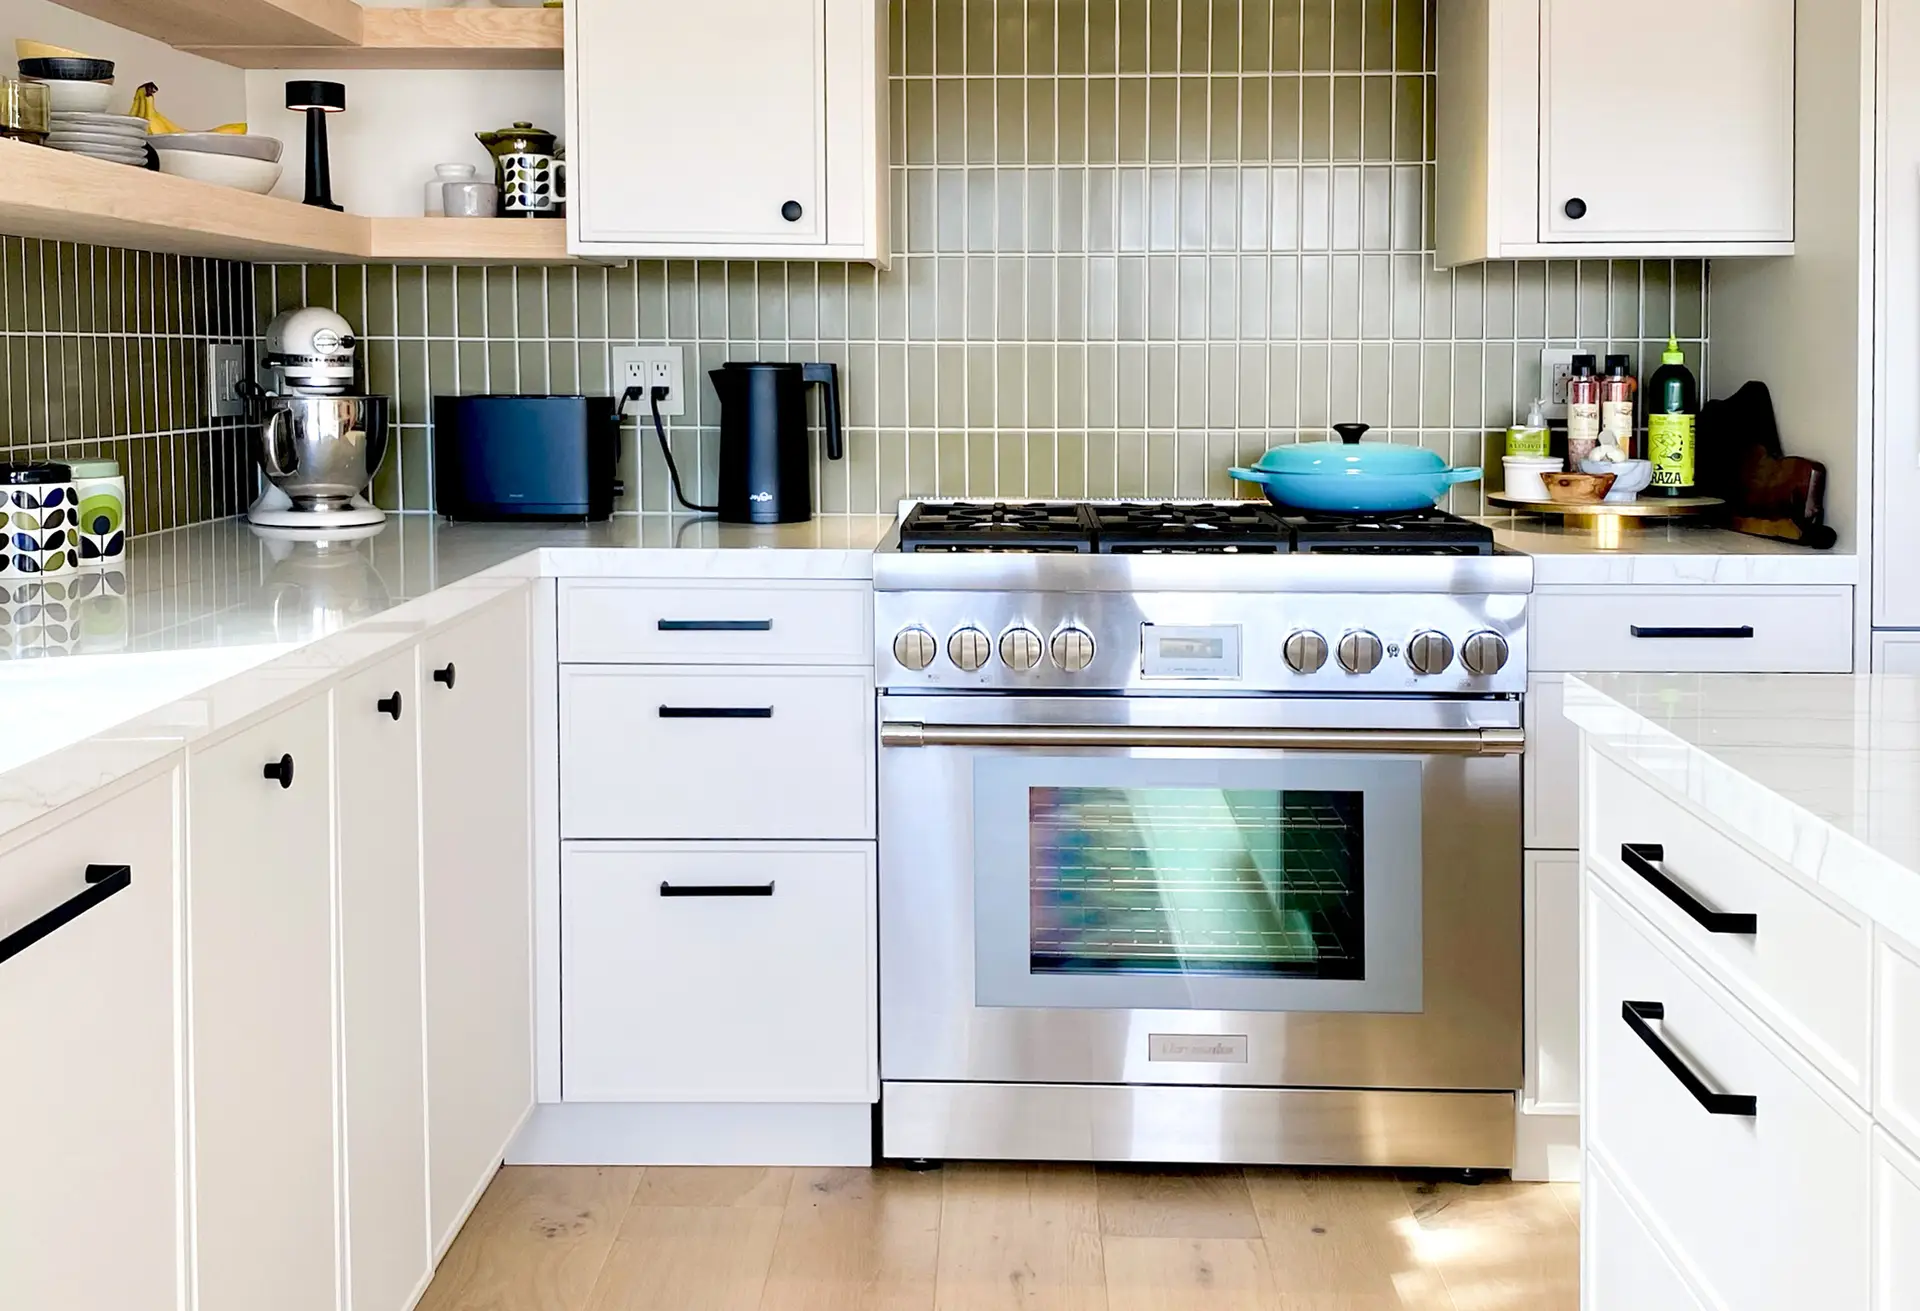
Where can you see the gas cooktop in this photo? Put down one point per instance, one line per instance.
(1181, 528)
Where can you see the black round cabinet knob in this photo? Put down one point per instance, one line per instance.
(281, 771)
(1576, 208)
(444, 675)
(791, 211)
(389, 705)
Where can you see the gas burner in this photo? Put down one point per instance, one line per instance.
(967, 526)
(1413, 532)
(1232, 528)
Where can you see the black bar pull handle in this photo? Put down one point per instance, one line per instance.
(1643, 857)
(716, 712)
(716, 889)
(1637, 1014)
(715, 625)
(102, 882)
(389, 705)
(280, 771)
(445, 675)
(1734, 632)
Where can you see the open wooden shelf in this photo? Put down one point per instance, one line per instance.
(340, 33)
(61, 197)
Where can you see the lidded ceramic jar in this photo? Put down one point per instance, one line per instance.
(100, 513)
(38, 502)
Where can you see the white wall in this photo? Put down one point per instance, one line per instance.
(194, 92)
(398, 125)
(1896, 601)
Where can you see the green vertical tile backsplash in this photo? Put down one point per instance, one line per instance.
(1134, 244)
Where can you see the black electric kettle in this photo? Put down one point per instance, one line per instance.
(766, 469)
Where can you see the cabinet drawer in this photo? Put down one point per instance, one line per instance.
(691, 753)
(799, 623)
(1896, 1099)
(1896, 1219)
(1769, 1210)
(707, 974)
(1625, 1268)
(1692, 629)
(1807, 968)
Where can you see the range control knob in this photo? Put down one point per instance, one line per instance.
(1429, 652)
(1073, 649)
(1484, 654)
(1306, 652)
(969, 648)
(1360, 652)
(1020, 648)
(915, 648)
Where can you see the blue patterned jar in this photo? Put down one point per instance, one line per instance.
(41, 537)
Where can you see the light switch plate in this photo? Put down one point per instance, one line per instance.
(226, 368)
(1556, 366)
(643, 366)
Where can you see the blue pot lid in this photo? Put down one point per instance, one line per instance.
(1350, 457)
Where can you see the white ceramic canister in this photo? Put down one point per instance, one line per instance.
(1525, 475)
(100, 505)
(435, 191)
(37, 499)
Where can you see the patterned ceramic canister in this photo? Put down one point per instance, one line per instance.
(101, 618)
(100, 505)
(37, 616)
(532, 186)
(38, 503)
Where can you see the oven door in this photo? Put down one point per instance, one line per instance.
(1200, 890)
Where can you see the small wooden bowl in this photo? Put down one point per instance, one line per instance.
(1578, 488)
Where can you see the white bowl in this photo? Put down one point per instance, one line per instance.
(252, 145)
(108, 140)
(1631, 477)
(100, 122)
(255, 175)
(68, 97)
(1525, 473)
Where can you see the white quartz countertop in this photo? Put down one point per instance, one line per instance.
(1663, 553)
(1821, 771)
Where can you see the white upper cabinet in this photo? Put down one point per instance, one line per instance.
(1639, 127)
(727, 127)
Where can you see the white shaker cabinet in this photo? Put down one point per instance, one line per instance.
(89, 1002)
(729, 127)
(1641, 127)
(260, 942)
(382, 1029)
(476, 807)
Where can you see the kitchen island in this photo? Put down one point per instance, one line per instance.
(1750, 877)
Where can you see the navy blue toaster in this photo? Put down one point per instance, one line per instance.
(525, 457)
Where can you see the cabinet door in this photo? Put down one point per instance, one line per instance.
(1553, 982)
(1683, 132)
(1896, 1220)
(89, 1196)
(260, 940)
(1551, 770)
(476, 798)
(382, 1034)
(699, 122)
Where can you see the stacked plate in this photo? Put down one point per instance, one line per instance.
(120, 138)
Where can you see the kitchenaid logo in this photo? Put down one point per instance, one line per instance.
(1198, 1048)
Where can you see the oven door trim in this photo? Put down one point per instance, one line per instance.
(1465, 742)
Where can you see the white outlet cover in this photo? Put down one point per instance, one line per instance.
(642, 359)
(1556, 366)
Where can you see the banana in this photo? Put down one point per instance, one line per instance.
(231, 129)
(144, 106)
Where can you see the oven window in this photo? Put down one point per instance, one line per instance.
(1241, 883)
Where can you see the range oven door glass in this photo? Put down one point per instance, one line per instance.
(1254, 884)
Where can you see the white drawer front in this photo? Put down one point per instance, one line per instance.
(715, 753)
(1896, 1101)
(1768, 1210)
(1808, 969)
(706, 998)
(1625, 1268)
(717, 622)
(1662, 630)
(1896, 1220)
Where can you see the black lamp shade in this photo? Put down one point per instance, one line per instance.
(330, 96)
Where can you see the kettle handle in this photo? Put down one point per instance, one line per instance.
(828, 376)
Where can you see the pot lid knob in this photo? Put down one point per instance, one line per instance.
(1351, 433)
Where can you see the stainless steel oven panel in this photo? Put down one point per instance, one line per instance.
(1467, 1036)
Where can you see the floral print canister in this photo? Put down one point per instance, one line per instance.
(100, 511)
(40, 526)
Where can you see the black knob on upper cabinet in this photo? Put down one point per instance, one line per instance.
(389, 705)
(280, 771)
(444, 675)
(791, 211)
(1576, 208)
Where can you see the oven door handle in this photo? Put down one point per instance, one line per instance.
(1418, 741)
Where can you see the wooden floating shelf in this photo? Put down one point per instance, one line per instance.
(61, 197)
(340, 33)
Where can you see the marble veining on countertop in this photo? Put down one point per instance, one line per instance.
(1820, 771)
(1664, 553)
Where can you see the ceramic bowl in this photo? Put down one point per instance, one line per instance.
(1525, 473)
(68, 69)
(69, 97)
(113, 153)
(1631, 477)
(252, 145)
(84, 137)
(255, 175)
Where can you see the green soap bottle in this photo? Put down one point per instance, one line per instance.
(1673, 408)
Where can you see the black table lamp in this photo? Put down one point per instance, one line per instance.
(318, 99)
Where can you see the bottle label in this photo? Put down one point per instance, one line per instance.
(1670, 446)
(1616, 424)
(1527, 441)
(1583, 430)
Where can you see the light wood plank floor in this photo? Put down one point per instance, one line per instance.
(1009, 1238)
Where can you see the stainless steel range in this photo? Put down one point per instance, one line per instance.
(1199, 836)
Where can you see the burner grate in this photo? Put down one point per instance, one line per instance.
(1229, 528)
(998, 526)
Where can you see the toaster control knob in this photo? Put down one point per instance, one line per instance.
(1306, 652)
(969, 648)
(1484, 654)
(1020, 648)
(915, 648)
(1429, 652)
(1360, 652)
(1073, 649)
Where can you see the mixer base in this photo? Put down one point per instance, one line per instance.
(274, 511)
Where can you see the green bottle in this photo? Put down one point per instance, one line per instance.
(1673, 407)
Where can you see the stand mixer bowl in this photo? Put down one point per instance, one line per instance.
(322, 451)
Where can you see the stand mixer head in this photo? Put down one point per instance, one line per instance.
(310, 353)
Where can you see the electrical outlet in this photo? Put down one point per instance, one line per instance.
(1556, 366)
(647, 367)
(226, 368)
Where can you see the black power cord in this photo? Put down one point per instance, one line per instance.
(657, 395)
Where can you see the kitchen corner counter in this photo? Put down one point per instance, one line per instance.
(1819, 771)
(1665, 554)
